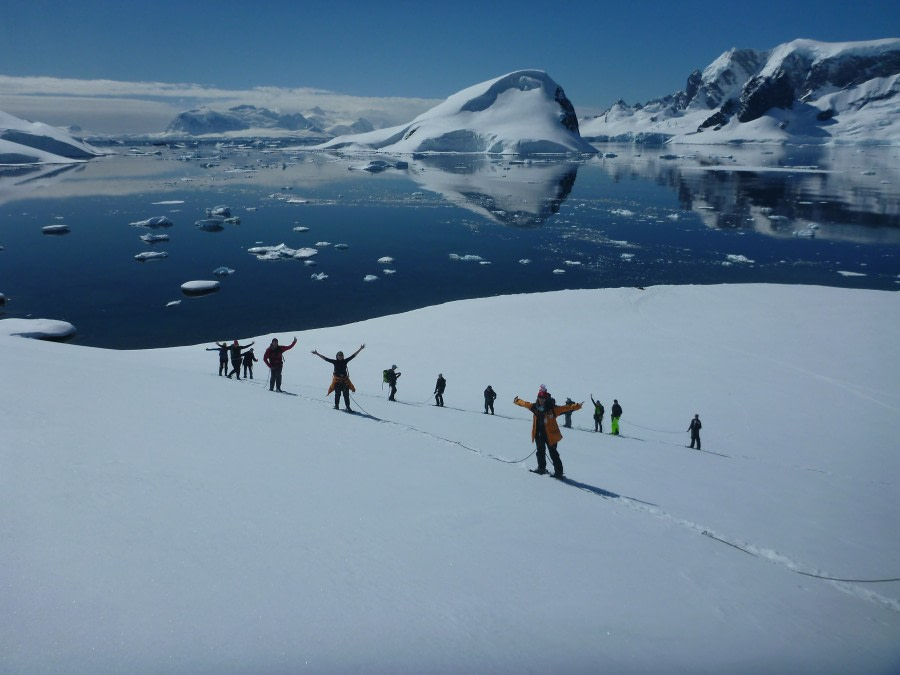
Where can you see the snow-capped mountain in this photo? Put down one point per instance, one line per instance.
(250, 120)
(23, 142)
(524, 112)
(801, 91)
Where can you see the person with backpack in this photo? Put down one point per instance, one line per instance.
(236, 356)
(545, 431)
(616, 413)
(390, 376)
(248, 359)
(598, 414)
(222, 348)
(489, 397)
(274, 358)
(694, 428)
(439, 390)
(340, 380)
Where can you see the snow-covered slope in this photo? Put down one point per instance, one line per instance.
(23, 142)
(524, 112)
(802, 91)
(159, 518)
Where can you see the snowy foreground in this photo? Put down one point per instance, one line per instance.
(159, 518)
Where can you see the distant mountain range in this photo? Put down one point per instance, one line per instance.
(800, 92)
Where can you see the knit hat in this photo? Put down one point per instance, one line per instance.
(542, 392)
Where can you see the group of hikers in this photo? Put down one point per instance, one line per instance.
(545, 433)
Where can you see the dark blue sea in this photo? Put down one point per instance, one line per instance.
(454, 227)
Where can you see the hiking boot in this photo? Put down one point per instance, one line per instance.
(558, 475)
(539, 470)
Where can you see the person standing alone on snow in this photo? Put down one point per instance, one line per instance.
(390, 376)
(489, 397)
(616, 413)
(598, 415)
(274, 358)
(340, 381)
(694, 428)
(568, 423)
(439, 390)
(544, 429)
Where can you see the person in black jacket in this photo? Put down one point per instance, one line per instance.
(390, 376)
(439, 390)
(340, 380)
(235, 350)
(489, 397)
(248, 359)
(694, 428)
(615, 414)
(222, 348)
(598, 414)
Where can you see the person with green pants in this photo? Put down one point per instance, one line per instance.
(616, 413)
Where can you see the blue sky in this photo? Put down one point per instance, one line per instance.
(598, 51)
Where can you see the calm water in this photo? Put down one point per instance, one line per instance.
(639, 218)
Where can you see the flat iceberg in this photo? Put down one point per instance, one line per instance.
(210, 224)
(151, 255)
(55, 229)
(153, 223)
(39, 329)
(370, 277)
(153, 238)
(223, 271)
(199, 287)
(281, 252)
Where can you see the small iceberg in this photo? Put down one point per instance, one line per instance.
(55, 229)
(571, 263)
(734, 258)
(210, 224)
(321, 276)
(622, 212)
(38, 329)
(197, 288)
(281, 252)
(234, 220)
(370, 277)
(559, 271)
(153, 223)
(525, 261)
(322, 244)
(2, 299)
(151, 255)
(173, 303)
(300, 228)
(219, 212)
(466, 258)
(342, 247)
(389, 271)
(386, 260)
(223, 271)
(153, 238)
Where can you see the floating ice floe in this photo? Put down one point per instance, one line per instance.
(153, 238)
(809, 231)
(627, 256)
(571, 263)
(301, 229)
(342, 247)
(525, 261)
(379, 165)
(223, 271)
(370, 277)
(2, 299)
(199, 287)
(281, 252)
(558, 271)
(386, 260)
(673, 216)
(166, 203)
(739, 259)
(210, 224)
(844, 273)
(173, 303)
(153, 223)
(622, 212)
(234, 220)
(389, 271)
(296, 200)
(321, 276)
(466, 258)
(322, 244)
(151, 255)
(219, 212)
(38, 329)
(484, 262)
(55, 229)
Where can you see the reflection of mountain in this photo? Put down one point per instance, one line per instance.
(16, 181)
(522, 194)
(846, 193)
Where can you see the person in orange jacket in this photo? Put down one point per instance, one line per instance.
(544, 429)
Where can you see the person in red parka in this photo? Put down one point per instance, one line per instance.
(544, 429)
(274, 358)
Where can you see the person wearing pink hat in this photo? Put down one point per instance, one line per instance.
(545, 431)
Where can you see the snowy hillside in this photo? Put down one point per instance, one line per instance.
(524, 112)
(23, 142)
(800, 92)
(160, 518)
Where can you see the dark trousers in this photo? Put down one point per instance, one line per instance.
(338, 390)
(598, 423)
(236, 368)
(223, 366)
(248, 368)
(542, 447)
(393, 392)
(439, 398)
(275, 377)
(695, 438)
(488, 405)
